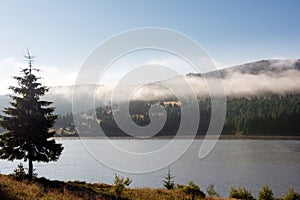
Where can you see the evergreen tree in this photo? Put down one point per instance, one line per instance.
(28, 121)
(120, 183)
(168, 182)
(193, 190)
(292, 195)
(211, 191)
(265, 193)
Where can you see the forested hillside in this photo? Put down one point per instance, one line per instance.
(257, 115)
(266, 115)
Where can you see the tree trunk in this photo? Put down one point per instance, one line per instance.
(30, 170)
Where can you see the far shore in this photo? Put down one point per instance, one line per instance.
(198, 137)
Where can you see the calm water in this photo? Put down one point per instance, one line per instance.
(249, 163)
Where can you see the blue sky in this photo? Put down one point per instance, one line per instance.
(63, 33)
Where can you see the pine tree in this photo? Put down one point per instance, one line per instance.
(168, 182)
(28, 121)
(265, 193)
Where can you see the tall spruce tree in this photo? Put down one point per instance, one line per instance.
(169, 182)
(28, 121)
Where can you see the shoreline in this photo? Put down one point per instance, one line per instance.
(198, 137)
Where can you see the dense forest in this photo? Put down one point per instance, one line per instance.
(256, 115)
(266, 115)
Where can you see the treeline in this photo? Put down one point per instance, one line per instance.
(267, 115)
(263, 115)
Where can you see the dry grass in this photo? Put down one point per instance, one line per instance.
(44, 189)
(161, 194)
(148, 193)
(11, 189)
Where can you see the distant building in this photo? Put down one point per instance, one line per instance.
(177, 103)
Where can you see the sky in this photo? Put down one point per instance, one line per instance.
(62, 34)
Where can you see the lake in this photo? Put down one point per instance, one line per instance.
(248, 163)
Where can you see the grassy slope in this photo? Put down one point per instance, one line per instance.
(44, 189)
(14, 190)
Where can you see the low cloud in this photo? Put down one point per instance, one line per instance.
(235, 85)
(239, 84)
(259, 78)
(9, 67)
(56, 75)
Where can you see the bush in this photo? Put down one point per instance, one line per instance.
(240, 193)
(265, 193)
(192, 189)
(120, 183)
(20, 173)
(211, 191)
(292, 195)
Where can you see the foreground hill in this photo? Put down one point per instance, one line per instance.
(44, 189)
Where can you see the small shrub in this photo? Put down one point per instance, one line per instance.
(211, 191)
(179, 186)
(240, 193)
(193, 190)
(168, 182)
(20, 173)
(292, 195)
(265, 193)
(120, 183)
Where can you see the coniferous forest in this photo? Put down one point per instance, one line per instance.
(256, 115)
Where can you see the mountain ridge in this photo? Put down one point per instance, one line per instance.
(257, 67)
(254, 78)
